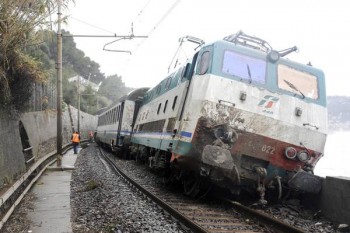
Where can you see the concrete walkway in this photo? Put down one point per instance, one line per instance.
(51, 211)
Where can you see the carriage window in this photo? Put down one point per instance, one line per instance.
(244, 67)
(117, 113)
(166, 103)
(158, 89)
(298, 82)
(204, 63)
(160, 105)
(183, 73)
(168, 82)
(174, 102)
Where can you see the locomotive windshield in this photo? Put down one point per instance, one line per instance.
(244, 67)
(297, 82)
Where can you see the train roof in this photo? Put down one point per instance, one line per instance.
(166, 84)
(135, 94)
(132, 96)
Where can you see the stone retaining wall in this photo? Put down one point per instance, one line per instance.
(41, 129)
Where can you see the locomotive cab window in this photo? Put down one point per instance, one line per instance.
(244, 67)
(297, 82)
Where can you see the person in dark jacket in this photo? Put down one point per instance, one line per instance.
(75, 141)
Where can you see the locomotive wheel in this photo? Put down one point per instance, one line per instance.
(138, 157)
(191, 186)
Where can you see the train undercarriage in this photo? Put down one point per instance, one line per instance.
(197, 181)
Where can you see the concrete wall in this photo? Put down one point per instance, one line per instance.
(11, 156)
(41, 128)
(87, 122)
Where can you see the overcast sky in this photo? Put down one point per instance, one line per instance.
(319, 28)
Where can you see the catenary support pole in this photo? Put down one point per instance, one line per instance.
(79, 104)
(59, 85)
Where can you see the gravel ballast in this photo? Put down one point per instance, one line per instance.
(102, 202)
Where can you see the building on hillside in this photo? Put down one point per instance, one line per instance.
(84, 83)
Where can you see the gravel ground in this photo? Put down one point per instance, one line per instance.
(103, 202)
(18, 222)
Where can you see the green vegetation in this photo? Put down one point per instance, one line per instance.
(28, 54)
(19, 22)
(75, 63)
(91, 185)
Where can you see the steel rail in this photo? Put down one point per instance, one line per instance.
(270, 221)
(179, 216)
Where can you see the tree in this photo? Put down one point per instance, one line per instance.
(113, 88)
(19, 22)
(74, 62)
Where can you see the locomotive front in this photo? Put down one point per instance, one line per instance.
(256, 120)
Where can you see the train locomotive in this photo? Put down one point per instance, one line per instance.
(239, 116)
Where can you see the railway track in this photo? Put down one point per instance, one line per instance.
(202, 217)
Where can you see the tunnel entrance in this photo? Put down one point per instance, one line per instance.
(27, 148)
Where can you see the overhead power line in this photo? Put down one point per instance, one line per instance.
(91, 25)
(165, 15)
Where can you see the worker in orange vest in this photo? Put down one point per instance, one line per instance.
(75, 141)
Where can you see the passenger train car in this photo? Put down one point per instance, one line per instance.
(240, 116)
(115, 125)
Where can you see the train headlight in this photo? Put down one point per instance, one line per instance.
(303, 156)
(290, 152)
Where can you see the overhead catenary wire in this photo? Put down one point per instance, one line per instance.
(141, 11)
(91, 25)
(165, 15)
(131, 36)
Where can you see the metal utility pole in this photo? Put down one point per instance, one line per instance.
(59, 84)
(79, 104)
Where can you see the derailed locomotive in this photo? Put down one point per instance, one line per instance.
(239, 116)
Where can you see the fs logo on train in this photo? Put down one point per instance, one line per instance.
(268, 102)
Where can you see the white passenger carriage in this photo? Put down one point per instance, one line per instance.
(115, 125)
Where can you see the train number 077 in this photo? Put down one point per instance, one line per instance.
(268, 149)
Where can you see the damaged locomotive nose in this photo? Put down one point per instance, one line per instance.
(216, 161)
(217, 156)
(226, 134)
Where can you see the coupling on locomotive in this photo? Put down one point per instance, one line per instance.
(239, 116)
